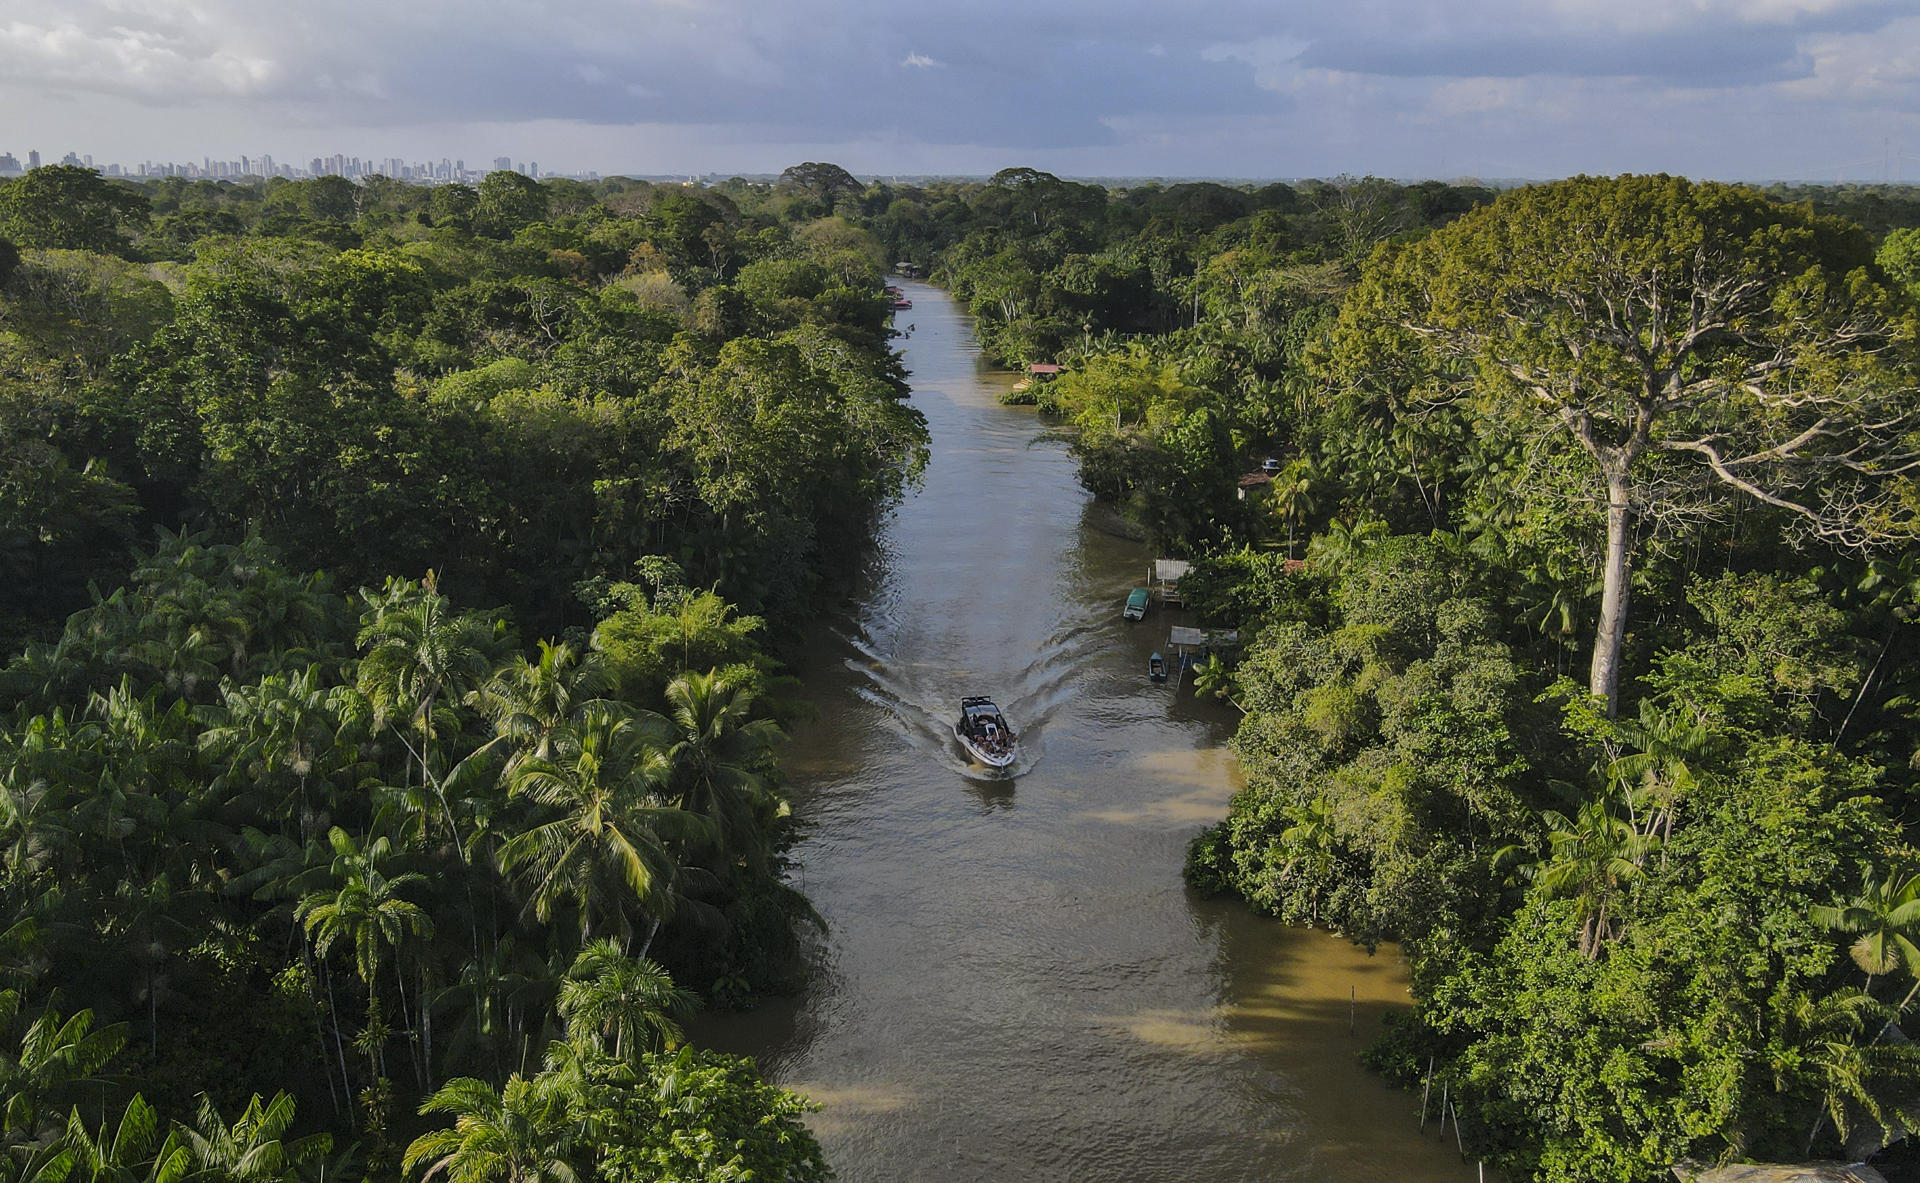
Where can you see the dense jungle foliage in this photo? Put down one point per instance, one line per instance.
(1571, 530)
(387, 761)
(389, 705)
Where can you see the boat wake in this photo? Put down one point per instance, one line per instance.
(918, 700)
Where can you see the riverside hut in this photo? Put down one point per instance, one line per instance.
(1164, 578)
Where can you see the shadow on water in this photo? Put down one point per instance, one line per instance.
(1016, 984)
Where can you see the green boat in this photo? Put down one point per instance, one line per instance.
(1136, 604)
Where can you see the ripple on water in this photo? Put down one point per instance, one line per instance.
(1015, 984)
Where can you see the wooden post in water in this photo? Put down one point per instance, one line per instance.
(1456, 1134)
(1426, 1092)
(1446, 1089)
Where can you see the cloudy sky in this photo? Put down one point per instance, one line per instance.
(1752, 89)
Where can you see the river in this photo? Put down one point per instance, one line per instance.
(1016, 985)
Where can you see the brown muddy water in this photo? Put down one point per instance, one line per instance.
(1016, 985)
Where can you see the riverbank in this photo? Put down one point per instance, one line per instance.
(1015, 982)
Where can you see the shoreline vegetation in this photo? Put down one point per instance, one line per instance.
(387, 814)
(388, 579)
(1572, 528)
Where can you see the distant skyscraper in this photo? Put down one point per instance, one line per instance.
(533, 169)
(503, 164)
(33, 158)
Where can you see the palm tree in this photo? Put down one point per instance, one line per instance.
(1669, 764)
(254, 1149)
(126, 1153)
(363, 906)
(1817, 1047)
(53, 1056)
(1311, 843)
(713, 761)
(516, 1135)
(43, 765)
(603, 843)
(1591, 858)
(46, 1162)
(1341, 545)
(1213, 677)
(421, 654)
(1885, 919)
(1292, 497)
(284, 725)
(631, 998)
(529, 701)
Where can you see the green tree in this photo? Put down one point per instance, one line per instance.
(607, 994)
(44, 1063)
(126, 1153)
(1592, 858)
(1692, 341)
(531, 701)
(716, 760)
(508, 201)
(422, 657)
(254, 1148)
(597, 841)
(825, 183)
(362, 906)
(694, 1116)
(1885, 920)
(67, 207)
(518, 1134)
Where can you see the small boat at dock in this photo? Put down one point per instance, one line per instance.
(984, 732)
(1136, 604)
(1156, 668)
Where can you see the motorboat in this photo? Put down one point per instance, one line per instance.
(984, 732)
(1156, 668)
(1136, 604)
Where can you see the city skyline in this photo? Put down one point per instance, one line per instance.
(265, 167)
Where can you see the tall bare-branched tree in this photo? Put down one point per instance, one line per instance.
(1697, 343)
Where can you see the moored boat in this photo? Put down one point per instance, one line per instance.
(1157, 668)
(984, 732)
(1136, 604)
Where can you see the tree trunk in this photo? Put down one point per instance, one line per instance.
(1607, 643)
(339, 1044)
(426, 1025)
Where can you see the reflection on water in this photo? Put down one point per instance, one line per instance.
(1016, 984)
